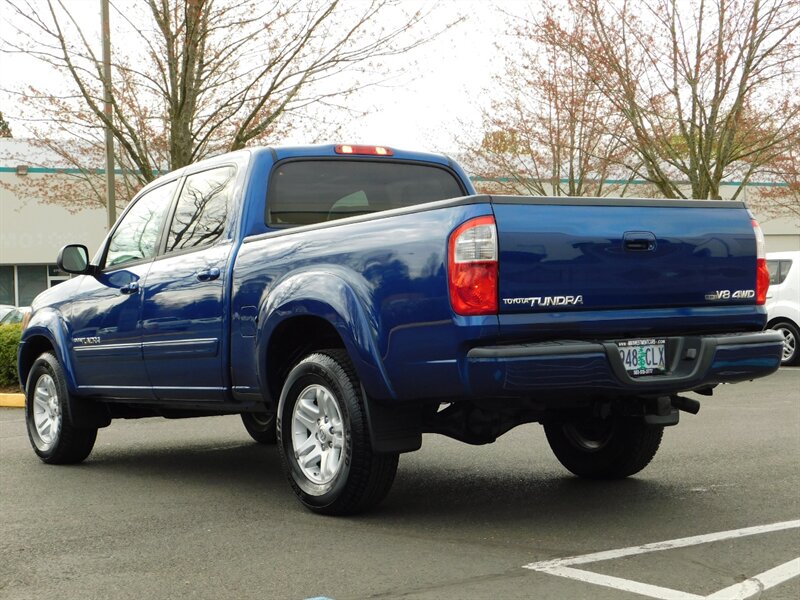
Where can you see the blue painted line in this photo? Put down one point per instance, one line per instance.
(475, 178)
(71, 171)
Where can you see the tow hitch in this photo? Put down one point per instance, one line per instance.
(660, 411)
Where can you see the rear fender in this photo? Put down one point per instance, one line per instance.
(340, 298)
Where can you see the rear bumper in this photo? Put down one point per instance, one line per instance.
(595, 368)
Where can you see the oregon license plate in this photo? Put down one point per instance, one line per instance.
(643, 357)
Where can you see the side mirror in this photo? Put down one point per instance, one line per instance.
(74, 258)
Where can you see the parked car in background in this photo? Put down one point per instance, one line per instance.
(15, 315)
(5, 309)
(783, 301)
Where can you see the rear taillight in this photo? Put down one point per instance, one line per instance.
(762, 273)
(472, 267)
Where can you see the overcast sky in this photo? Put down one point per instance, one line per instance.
(452, 79)
(420, 109)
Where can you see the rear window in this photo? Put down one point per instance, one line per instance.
(778, 270)
(315, 191)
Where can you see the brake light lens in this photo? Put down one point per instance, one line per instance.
(472, 267)
(762, 272)
(368, 150)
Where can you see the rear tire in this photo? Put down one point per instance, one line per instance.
(604, 449)
(323, 438)
(48, 415)
(261, 426)
(791, 341)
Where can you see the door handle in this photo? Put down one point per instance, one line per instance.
(130, 288)
(208, 274)
(639, 241)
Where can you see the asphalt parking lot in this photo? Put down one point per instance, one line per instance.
(195, 509)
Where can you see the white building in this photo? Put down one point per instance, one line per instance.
(32, 231)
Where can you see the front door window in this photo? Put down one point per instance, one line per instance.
(136, 237)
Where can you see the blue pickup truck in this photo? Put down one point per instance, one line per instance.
(344, 300)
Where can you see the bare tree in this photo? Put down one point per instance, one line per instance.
(196, 77)
(548, 130)
(708, 88)
(781, 195)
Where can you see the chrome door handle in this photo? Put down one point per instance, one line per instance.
(130, 288)
(208, 274)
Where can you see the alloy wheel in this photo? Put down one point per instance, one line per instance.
(46, 412)
(318, 434)
(789, 343)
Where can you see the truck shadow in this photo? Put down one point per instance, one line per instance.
(422, 495)
(244, 465)
(546, 496)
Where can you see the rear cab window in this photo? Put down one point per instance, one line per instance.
(305, 192)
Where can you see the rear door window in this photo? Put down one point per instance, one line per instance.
(314, 191)
(202, 209)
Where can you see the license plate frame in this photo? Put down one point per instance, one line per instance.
(643, 357)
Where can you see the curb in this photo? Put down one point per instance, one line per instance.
(12, 401)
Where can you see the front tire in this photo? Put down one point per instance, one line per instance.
(48, 415)
(791, 340)
(604, 449)
(323, 438)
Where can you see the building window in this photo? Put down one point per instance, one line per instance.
(8, 292)
(56, 275)
(20, 284)
(31, 280)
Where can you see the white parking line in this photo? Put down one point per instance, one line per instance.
(759, 583)
(562, 567)
(618, 583)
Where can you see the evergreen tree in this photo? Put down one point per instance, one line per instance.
(5, 130)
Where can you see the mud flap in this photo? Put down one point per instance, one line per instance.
(393, 429)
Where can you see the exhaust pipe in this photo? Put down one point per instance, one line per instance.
(686, 404)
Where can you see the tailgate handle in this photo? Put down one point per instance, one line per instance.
(639, 241)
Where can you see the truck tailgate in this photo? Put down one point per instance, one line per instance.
(572, 254)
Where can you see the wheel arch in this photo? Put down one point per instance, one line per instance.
(314, 310)
(45, 333)
(792, 327)
(292, 339)
(781, 319)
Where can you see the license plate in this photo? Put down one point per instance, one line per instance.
(643, 357)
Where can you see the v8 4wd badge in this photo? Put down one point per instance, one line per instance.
(730, 295)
